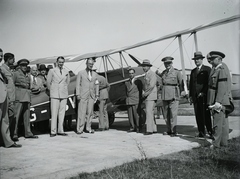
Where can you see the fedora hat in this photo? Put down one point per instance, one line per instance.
(198, 55)
(146, 62)
(42, 67)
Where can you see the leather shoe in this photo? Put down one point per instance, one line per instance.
(174, 134)
(53, 135)
(131, 130)
(32, 137)
(166, 133)
(200, 135)
(148, 133)
(62, 134)
(15, 146)
(90, 132)
(79, 133)
(15, 139)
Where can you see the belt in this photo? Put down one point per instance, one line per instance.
(212, 87)
(170, 85)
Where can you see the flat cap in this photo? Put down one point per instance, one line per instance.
(198, 55)
(23, 62)
(146, 62)
(167, 59)
(214, 54)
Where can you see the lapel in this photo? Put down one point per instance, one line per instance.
(59, 75)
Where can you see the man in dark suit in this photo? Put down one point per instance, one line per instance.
(198, 88)
(134, 94)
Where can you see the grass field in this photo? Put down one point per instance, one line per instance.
(198, 163)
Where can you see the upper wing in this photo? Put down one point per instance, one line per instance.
(74, 58)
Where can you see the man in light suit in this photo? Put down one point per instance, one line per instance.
(23, 99)
(198, 87)
(134, 94)
(103, 97)
(9, 61)
(150, 96)
(58, 80)
(172, 85)
(86, 95)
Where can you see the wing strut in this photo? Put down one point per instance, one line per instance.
(109, 62)
(195, 41)
(104, 64)
(182, 63)
(120, 53)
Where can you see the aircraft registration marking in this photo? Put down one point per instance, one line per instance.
(44, 111)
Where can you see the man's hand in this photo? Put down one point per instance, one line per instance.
(78, 98)
(200, 95)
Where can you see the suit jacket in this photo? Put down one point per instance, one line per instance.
(22, 84)
(199, 81)
(58, 83)
(44, 80)
(134, 91)
(150, 86)
(218, 86)
(3, 88)
(85, 87)
(172, 84)
(38, 84)
(103, 87)
(10, 85)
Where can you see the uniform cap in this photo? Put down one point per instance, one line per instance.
(198, 55)
(167, 59)
(214, 54)
(146, 62)
(23, 62)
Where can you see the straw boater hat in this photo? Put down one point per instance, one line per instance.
(198, 55)
(146, 62)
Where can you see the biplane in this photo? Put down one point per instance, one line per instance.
(40, 108)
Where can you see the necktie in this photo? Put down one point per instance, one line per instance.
(61, 71)
(34, 81)
(89, 75)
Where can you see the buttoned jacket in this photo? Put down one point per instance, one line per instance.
(10, 84)
(172, 84)
(85, 87)
(134, 91)
(103, 87)
(3, 88)
(199, 82)
(38, 84)
(150, 85)
(218, 86)
(58, 83)
(22, 84)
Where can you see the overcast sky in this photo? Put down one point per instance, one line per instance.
(43, 28)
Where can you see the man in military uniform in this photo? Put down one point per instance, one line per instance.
(198, 87)
(218, 98)
(9, 60)
(23, 99)
(172, 84)
(150, 96)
